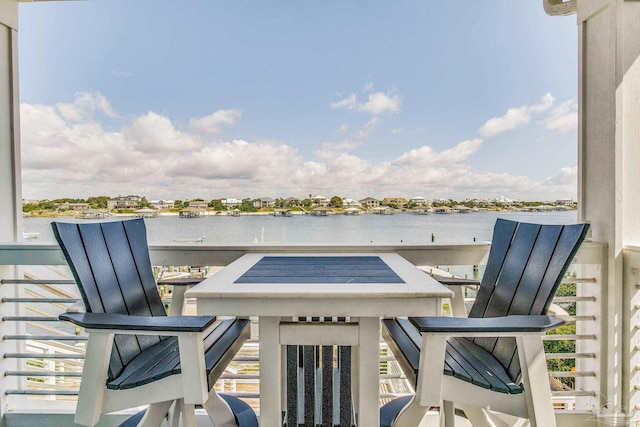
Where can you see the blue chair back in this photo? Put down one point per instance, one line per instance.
(110, 263)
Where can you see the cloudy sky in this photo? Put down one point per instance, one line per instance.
(180, 99)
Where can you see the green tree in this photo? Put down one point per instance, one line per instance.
(178, 204)
(98, 202)
(29, 207)
(144, 203)
(336, 202)
(247, 206)
(217, 205)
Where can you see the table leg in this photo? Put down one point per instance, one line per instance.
(270, 367)
(368, 371)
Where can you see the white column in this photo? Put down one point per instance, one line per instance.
(10, 174)
(609, 169)
(10, 183)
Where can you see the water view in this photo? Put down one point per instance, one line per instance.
(335, 229)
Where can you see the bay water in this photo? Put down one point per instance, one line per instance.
(306, 229)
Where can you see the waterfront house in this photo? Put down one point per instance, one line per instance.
(398, 202)
(351, 203)
(231, 202)
(370, 203)
(124, 202)
(198, 204)
(319, 200)
(606, 380)
(162, 205)
(67, 206)
(566, 202)
(292, 201)
(418, 201)
(264, 202)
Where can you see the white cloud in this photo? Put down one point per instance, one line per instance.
(341, 146)
(564, 117)
(84, 106)
(377, 103)
(396, 131)
(152, 156)
(380, 103)
(369, 127)
(343, 128)
(515, 117)
(350, 103)
(212, 123)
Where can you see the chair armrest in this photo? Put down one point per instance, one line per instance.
(505, 325)
(181, 281)
(124, 322)
(455, 281)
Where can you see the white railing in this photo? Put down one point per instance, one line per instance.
(42, 359)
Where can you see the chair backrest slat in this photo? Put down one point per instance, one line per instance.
(503, 232)
(525, 267)
(111, 265)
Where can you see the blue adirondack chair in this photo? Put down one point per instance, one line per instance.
(137, 355)
(494, 358)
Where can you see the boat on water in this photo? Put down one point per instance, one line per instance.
(282, 212)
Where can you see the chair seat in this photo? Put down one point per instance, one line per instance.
(463, 359)
(163, 359)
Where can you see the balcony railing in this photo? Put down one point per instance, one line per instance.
(42, 357)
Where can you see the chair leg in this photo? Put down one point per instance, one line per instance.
(505, 420)
(411, 415)
(447, 414)
(476, 416)
(535, 381)
(188, 415)
(155, 414)
(219, 411)
(174, 414)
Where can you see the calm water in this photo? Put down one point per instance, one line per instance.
(340, 229)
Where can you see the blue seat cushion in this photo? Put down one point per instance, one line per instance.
(463, 359)
(163, 359)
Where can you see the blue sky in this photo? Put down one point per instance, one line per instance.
(200, 98)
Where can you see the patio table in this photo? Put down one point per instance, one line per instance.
(362, 287)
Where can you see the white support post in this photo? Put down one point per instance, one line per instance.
(608, 173)
(10, 184)
(368, 362)
(270, 372)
